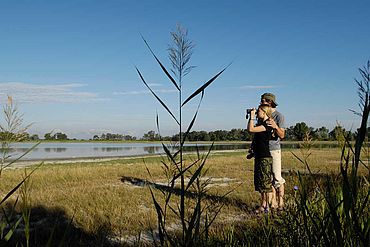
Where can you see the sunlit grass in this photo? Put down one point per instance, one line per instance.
(94, 195)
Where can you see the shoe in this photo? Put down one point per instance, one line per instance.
(274, 206)
(259, 210)
(262, 210)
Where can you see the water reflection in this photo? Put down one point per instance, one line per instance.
(93, 149)
(152, 150)
(57, 150)
(112, 149)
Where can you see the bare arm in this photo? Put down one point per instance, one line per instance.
(250, 125)
(280, 132)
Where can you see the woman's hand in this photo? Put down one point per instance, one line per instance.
(253, 113)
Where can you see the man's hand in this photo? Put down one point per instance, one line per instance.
(271, 123)
(279, 131)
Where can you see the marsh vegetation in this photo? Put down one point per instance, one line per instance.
(109, 202)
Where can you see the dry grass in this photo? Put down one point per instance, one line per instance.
(95, 196)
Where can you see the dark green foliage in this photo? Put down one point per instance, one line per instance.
(293, 133)
(59, 136)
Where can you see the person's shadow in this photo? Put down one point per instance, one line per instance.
(224, 199)
(51, 227)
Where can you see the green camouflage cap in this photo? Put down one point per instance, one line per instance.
(269, 96)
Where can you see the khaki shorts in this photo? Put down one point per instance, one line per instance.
(276, 168)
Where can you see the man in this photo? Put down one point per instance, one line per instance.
(277, 123)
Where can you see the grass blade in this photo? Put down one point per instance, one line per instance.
(19, 185)
(199, 170)
(168, 153)
(194, 221)
(184, 170)
(12, 229)
(12, 192)
(160, 217)
(158, 129)
(192, 121)
(160, 101)
(24, 154)
(161, 65)
(205, 85)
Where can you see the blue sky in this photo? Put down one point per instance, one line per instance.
(70, 65)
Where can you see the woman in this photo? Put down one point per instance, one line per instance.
(262, 156)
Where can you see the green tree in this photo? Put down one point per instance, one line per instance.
(34, 137)
(321, 134)
(48, 136)
(129, 138)
(151, 136)
(204, 136)
(235, 134)
(245, 135)
(289, 134)
(300, 130)
(337, 134)
(60, 136)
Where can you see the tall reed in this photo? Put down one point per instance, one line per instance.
(333, 209)
(13, 130)
(194, 214)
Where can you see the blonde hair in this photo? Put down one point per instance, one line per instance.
(266, 109)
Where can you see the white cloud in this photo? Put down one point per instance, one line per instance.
(47, 93)
(145, 92)
(131, 92)
(155, 85)
(259, 86)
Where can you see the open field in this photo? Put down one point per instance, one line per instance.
(110, 198)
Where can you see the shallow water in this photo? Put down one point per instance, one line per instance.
(75, 150)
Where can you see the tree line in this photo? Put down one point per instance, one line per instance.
(292, 133)
(296, 132)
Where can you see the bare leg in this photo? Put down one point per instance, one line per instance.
(264, 203)
(280, 194)
(272, 198)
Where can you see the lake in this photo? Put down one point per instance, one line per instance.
(74, 150)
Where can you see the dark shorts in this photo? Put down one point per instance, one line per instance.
(263, 174)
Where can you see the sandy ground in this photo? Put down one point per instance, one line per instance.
(26, 163)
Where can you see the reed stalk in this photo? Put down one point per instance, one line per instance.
(194, 216)
(13, 130)
(332, 209)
